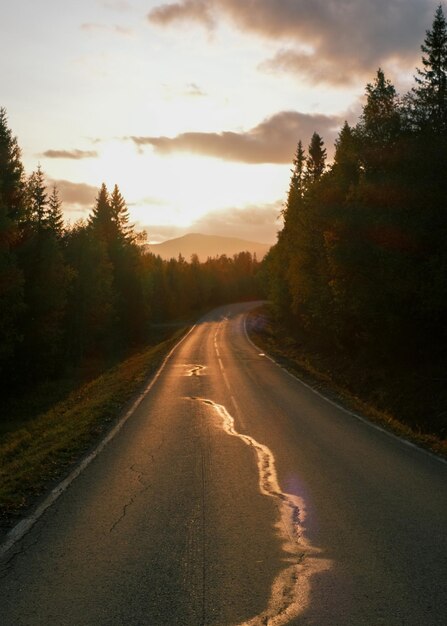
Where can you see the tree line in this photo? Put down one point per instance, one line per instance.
(73, 293)
(361, 262)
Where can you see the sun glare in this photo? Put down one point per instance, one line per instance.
(179, 188)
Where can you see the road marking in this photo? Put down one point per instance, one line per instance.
(238, 411)
(25, 525)
(226, 380)
(215, 341)
(365, 420)
(236, 406)
(290, 590)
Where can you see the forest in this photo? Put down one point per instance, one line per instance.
(361, 263)
(89, 291)
(359, 268)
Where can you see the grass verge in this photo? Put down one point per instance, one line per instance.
(327, 375)
(42, 450)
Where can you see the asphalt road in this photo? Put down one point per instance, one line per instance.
(236, 495)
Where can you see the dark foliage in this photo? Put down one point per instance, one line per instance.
(361, 262)
(90, 293)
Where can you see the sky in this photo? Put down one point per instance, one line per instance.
(195, 107)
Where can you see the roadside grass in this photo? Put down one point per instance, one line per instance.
(326, 374)
(42, 448)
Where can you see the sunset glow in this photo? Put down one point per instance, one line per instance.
(194, 107)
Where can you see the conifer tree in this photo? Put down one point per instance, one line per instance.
(298, 171)
(54, 216)
(430, 94)
(379, 130)
(297, 182)
(120, 214)
(102, 219)
(316, 161)
(46, 281)
(345, 168)
(90, 297)
(37, 199)
(12, 177)
(11, 216)
(380, 121)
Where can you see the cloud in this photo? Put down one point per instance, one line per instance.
(272, 141)
(70, 154)
(184, 11)
(345, 37)
(149, 201)
(253, 223)
(312, 68)
(75, 194)
(118, 5)
(115, 28)
(157, 233)
(186, 90)
(192, 89)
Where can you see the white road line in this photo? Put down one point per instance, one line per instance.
(226, 380)
(25, 525)
(236, 406)
(405, 442)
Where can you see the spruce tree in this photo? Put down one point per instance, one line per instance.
(345, 169)
(316, 161)
(12, 177)
(380, 128)
(47, 277)
(296, 188)
(54, 215)
(430, 94)
(37, 199)
(11, 216)
(380, 120)
(102, 219)
(120, 214)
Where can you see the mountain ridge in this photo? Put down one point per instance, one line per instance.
(206, 246)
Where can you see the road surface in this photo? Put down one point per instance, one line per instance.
(233, 495)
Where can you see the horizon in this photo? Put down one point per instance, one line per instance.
(206, 235)
(132, 97)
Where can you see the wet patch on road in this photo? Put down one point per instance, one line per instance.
(290, 590)
(195, 370)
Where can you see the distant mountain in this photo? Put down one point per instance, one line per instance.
(206, 246)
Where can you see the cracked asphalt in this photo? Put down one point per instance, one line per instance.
(169, 524)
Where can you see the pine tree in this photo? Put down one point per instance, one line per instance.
(90, 298)
(47, 277)
(11, 291)
(37, 200)
(430, 94)
(12, 177)
(102, 219)
(54, 215)
(297, 181)
(120, 214)
(380, 121)
(346, 160)
(11, 215)
(298, 172)
(380, 129)
(316, 161)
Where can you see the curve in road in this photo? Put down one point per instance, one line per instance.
(234, 494)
